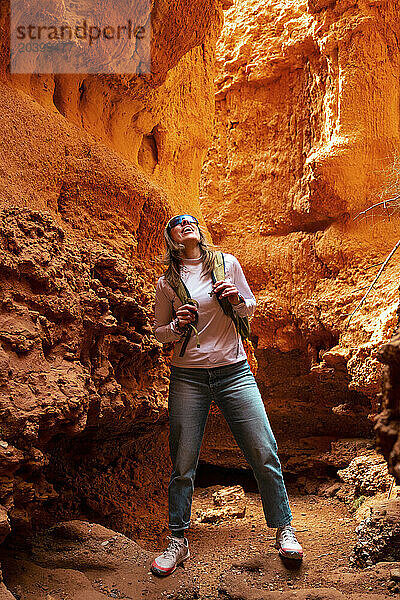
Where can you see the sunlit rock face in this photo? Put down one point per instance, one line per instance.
(307, 121)
(152, 131)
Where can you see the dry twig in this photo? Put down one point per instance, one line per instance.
(390, 202)
(383, 203)
(385, 262)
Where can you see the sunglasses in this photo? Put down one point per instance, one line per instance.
(179, 219)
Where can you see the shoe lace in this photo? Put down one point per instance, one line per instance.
(288, 534)
(172, 548)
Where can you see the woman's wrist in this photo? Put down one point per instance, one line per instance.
(176, 328)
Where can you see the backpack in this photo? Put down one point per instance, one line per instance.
(241, 323)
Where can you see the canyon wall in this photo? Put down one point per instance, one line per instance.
(305, 136)
(90, 169)
(116, 149)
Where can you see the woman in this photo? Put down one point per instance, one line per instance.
(213, 366)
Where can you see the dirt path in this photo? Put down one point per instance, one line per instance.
(237, 559)
(231, 560)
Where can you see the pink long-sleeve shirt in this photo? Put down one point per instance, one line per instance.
(220, 343)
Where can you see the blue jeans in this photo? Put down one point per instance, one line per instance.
(235, 391)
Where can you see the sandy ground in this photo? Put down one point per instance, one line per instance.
(231, 560)
(234, 558)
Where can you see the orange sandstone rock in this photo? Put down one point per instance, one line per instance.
(306, 121)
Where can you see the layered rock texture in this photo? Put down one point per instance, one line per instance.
(110, 154)
(306, 132)
(80, 375)
(378, 535)
(388, 421)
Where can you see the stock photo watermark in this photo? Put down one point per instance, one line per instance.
(80, 38)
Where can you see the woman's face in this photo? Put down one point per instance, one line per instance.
(185, 233)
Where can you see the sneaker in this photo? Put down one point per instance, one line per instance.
(287, 543)
(176, 552)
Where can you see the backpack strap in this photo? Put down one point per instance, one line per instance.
(241, 323)
(184, 296)
(219, 267)
(217, 275)
(181, 291)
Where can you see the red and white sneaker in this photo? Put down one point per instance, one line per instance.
(177, 551)
(287, 544)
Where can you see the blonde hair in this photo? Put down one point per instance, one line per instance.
(172, 256)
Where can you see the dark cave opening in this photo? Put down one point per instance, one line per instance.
(208, 475)
(301, 483)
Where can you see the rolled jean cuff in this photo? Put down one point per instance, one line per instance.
(179, 527)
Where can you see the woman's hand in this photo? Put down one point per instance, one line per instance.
(186, 314)
(225, 289)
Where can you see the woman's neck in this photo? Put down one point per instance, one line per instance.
(193, 252)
